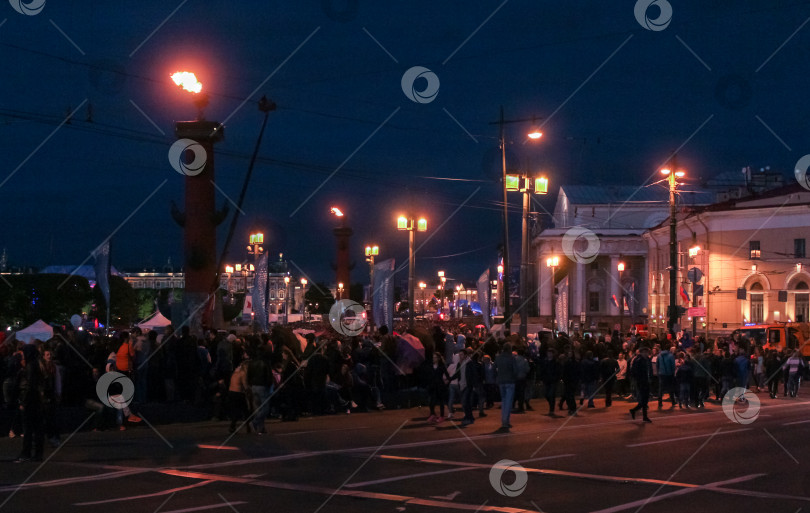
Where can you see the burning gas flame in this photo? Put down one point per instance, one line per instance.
(187, 81)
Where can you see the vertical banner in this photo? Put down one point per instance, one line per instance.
(562, 305)
(484, 291)
(382, 297)
(260, 316)
(102, 270)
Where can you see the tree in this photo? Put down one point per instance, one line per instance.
(123, 300)
(319, 298)
(54, 298)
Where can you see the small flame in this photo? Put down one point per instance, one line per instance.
(187, 81)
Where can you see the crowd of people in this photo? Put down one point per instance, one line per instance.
(248, 379)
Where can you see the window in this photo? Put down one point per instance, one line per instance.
(753, 247)
(802, 306)
(798, 248)
(593, 301)
(757, 313)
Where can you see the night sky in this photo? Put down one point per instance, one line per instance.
(723, 83)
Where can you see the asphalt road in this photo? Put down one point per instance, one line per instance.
(394, 461)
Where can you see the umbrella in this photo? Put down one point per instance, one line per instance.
(425, 338)
(410, 353)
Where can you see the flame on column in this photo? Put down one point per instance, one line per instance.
(187, 81)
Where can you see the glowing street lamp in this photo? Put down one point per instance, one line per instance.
(552, 263)
(412, 226)
(620, 267)
(422, 287)
(342, 235)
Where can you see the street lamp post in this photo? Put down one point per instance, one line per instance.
(442, 280)
(412, 226)
(552, 263)
(422, 286)
(286, 300)
(371, 252)
(535, 134)
(303, 297)
(340, 291)
(621, 302)
(673, 250)
(525, 185)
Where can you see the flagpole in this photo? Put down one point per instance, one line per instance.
(108, 273)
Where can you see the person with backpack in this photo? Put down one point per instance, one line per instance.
(641, 371)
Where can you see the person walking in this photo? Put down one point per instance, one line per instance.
(666, 375)
(507, 375)
(31, 392)
(571, 375)
(608, 370)
(590, 378)
(437, 388)
(641, 370)
(550, 373)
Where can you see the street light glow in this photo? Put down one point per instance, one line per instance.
(402, 223)
(679, 174)
(187, 81)
(535, 134)
(421, 225)
(337, 211)
(621, 267)
(665, 172)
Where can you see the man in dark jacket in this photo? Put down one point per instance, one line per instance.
(641, 370)
(608, 369)
(31, 393)
(550, 373)
(571, 378)
(590, 377)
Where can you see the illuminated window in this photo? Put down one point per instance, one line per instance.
(754, 251)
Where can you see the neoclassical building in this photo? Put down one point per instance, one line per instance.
(594, 230)
(752, 257)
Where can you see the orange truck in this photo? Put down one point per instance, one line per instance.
(786, 335)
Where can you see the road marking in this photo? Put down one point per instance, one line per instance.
(469, 466)
(146, 496)
(676, 493)
(400, 499)
(73, 480)
(203, 508)
(460, 467)
(797, 422)
(668, 440)
(325, 431)
(218, 447)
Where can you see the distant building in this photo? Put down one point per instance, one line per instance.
(587, 284)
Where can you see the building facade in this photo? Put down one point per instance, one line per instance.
(750, 260)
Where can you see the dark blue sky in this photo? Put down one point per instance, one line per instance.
(617, 100)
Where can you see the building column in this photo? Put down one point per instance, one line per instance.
(544, 284)
(579, 288)
(613, 285)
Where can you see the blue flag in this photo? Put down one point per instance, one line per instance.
(484, 290)
(260, 315)
(382, 298)
(102, 270)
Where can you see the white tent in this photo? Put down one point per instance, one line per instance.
(40, 330)
(154, 321)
